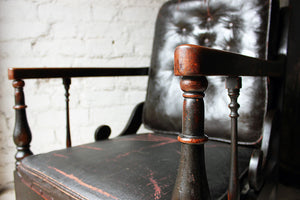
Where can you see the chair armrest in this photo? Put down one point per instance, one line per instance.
(194, 63)
(29, 73)
(22, 134)
(194, 60)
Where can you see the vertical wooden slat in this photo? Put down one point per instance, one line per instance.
(22, 133)
(233, 84)
(67, 83)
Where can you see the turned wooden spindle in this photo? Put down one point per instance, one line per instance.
(233, 84)
(67, 83)
(191, 181)
(22, 133)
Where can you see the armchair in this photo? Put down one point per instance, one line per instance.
(219, 164)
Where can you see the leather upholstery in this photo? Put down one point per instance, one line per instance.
(232, 25)
(129, 167)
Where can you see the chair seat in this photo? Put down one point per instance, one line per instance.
(131, 167)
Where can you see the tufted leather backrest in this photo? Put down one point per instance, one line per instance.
(233, 25)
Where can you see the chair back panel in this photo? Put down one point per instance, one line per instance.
(232, 25)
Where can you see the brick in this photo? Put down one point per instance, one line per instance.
(136, 14)
(105, 3)
(22, 30)
(78, 116)
(106, 30)
(65, 30)
(99, 47)
(104, 13)
(64, 11)
(97, 84)
(13, 11)
(15, 49)
(150, 3)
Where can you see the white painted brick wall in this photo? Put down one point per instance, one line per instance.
(68, 33)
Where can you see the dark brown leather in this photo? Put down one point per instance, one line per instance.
(238, 26)
(129, 167)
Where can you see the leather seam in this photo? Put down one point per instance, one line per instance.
(31, 188)
(53, 182)
(258, 141)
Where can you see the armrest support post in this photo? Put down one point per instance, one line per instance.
(67, 83)
(22, 133)
(191, 181)
(233, 84)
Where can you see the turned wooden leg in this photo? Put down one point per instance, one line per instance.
(233, 84)
(22, 133)
(191, 182)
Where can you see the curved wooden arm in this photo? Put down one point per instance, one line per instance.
(134, 121)
(30, 73)
(132, 126)
(263, 161)
(207, 61)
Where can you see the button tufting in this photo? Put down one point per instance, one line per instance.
(206, 40)
(209, 19)
(230, 25)
(227, 48)
(183, 30)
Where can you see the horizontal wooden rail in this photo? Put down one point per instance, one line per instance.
(30, 73)
(207, 62)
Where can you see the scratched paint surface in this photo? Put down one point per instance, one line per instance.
(130, 167)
